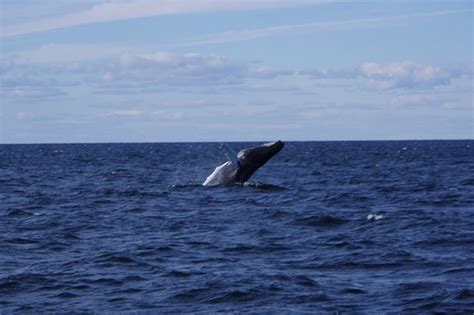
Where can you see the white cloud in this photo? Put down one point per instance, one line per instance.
(24, 115)
(28, 73)
(125, 113)
(108, 76)
(123, 10)
(113, 70)
(431, 100)
(397, 75)
(458, 104)
(161, 115)
(413, 100)
(165, 115)
(410, 75)
(94, 64)
(244, 35)
(168, 68)
(30, 92)
(202, 69)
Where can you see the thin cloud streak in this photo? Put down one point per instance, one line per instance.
(244, 35)
(116, 11)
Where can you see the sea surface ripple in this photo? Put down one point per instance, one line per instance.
(348, 227)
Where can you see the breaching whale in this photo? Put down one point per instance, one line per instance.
(242, 165)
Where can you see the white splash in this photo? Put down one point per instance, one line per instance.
(375, 217)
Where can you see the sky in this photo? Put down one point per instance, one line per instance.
(75, 71)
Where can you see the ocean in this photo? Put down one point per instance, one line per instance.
(345, 227)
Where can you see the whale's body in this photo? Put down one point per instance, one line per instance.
(241, 168)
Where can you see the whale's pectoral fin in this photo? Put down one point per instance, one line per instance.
(231, 155)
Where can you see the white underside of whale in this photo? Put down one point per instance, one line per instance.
(222, 175)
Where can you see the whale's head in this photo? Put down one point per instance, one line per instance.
(253, 158)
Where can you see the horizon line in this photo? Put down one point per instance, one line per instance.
(233, 141)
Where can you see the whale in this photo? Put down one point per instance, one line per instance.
(241, 166)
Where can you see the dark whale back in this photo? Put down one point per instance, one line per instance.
(253, 158)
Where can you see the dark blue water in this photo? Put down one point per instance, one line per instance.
(350, 227)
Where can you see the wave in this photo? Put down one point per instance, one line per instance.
(327, 221)
(261, 186)
(256, 185)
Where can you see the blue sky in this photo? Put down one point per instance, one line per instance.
(209, 70)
